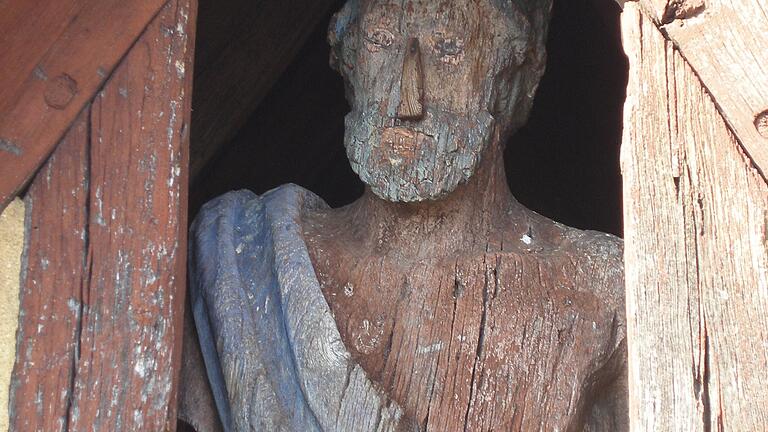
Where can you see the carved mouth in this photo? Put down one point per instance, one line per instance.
(400, 143)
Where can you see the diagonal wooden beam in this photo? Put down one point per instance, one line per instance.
(102, 290)
(695, 257)
(55, 55)
(725, 43)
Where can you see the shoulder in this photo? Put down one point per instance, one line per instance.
(238, 233)
(597, 256)
(595, 260)
(244, 210)
(226, 210)
(600, 259)
(601, 255)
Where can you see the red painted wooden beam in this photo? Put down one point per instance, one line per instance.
(55, 55)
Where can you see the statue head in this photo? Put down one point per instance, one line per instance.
(432, 85)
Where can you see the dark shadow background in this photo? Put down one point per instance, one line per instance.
(563, 164)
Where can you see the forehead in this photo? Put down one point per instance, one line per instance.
(466, 15)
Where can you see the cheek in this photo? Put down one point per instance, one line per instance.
(446, 89)
(459, 88)
(375, 75)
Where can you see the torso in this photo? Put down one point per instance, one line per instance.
(512, 337)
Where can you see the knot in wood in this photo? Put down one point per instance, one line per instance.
(683, 9)
(761, 123)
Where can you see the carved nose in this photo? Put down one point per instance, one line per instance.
(411, 105)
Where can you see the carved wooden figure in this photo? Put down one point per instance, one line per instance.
(434, 302)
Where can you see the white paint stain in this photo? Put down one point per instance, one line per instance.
(100, 208)
(429, 349)
(180, 69)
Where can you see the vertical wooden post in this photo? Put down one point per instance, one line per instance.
(696, 218)
(102, 299)
(53, 280)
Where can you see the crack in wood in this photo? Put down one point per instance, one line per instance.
(480, 346)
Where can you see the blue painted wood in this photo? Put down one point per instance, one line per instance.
(273, 355)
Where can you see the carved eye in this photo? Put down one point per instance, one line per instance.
(378, 38)
(449, 49)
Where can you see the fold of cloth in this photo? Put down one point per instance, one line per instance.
(273, 355)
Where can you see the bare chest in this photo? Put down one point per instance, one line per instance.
(495, 342)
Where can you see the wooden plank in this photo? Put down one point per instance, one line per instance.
(131, 339)
(23, 45)
(664, 11)
(120, 267)
(48, 339)
(55, 55)
(696, 218)
(245, 46)
(725, 43)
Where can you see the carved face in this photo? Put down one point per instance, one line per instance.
(431, 83)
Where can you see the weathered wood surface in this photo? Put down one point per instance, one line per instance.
(102, 300)
(665, 11)
(52, 291)
(696, 215)
(273, 354)
(479, 68)
(246, 46)
(518, 326)
(55, 54)
(726, 44)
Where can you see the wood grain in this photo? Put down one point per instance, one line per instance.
(665, 11)
(102, 299)
(411, 105)
(55, 55)
(48, 341)
(725, 43)
(245, 47)
(487, 317)
(696, 262)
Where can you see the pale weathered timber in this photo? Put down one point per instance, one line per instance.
(725, 43)
(246, 46)
(11, 244)
(55, 54)
(102, 300)
(665, 11)
(696, 261)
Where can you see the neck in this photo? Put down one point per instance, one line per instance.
(466, 219)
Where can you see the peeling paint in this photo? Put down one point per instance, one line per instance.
(8, 146)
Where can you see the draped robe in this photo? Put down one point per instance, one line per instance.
(272, 354)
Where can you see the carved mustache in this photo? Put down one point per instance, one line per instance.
(436, 123)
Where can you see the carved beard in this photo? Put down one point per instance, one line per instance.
(407, 161)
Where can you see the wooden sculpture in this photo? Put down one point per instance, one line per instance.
(436, 301)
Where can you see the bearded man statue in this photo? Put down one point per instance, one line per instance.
(436, 301)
